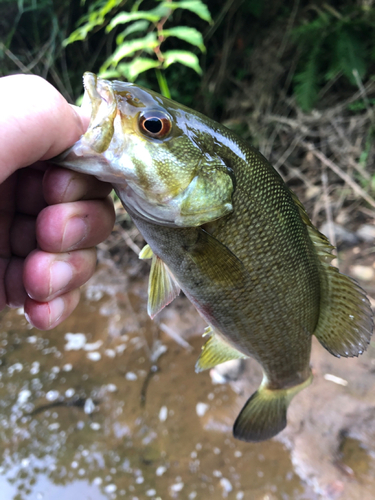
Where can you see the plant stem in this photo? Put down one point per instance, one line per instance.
(163, 85)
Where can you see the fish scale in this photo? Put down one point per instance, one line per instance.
(221, 225)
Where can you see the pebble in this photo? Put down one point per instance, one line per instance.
(201, 409)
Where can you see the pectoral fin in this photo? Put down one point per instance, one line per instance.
(217, 262)
(162, 287)
(146, 253)
(215, 351)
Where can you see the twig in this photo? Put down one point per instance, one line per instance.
(288, 152)
(177, 338)
(288, 29)
(327, 207)
(322, 157)
(129, 241)
(14, 58)
(364, 95)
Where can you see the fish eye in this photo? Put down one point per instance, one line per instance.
(155, 123)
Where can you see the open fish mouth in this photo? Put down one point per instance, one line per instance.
(100, 97)
(86, 155)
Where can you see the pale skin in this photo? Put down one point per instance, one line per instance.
(50, 218)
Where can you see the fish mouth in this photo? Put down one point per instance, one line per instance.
(86, 155)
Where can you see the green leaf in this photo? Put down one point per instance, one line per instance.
(127, 49)
(133, 28)
(350, 54)
(195, 6)
(137, 66)
(79, 34)
(110, 73)
(94, 18)
(307, 81)
(153, 16)
(184, 57)
(190, 35)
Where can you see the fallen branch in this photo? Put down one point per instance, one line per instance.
(335, 168)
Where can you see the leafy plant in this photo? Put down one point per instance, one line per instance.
(139, 44)
(333, 44)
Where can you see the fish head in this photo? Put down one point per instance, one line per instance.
(160, 156)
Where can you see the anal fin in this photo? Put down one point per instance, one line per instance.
(162, 287)
(215, 351)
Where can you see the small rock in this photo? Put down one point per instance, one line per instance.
(366, 233)
(201, 409)
(365, 273)
(228, 371)
(343, 236)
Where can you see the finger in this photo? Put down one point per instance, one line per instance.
(13, 279)
(22, 235)
(38, 125)
(47, 275)
(30, 199)
(7, 209)
(69, 226)
(47, 315)
(62, 186)
(3, 267)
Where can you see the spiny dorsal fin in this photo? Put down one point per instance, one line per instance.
(215, 351)
(321, 243)
(162, 287)
(345, 321)
(264, 414)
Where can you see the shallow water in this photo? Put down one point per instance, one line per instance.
(108, 406)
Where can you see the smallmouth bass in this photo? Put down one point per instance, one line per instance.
(222, 226)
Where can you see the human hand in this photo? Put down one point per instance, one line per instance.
(50, 218)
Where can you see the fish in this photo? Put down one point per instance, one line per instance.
(222, 226)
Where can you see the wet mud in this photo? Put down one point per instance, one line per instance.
(108, 406)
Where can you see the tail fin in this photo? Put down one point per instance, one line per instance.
(264, 414)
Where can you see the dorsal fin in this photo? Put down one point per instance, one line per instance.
(345, 321)
(162, 287)
(215, 351)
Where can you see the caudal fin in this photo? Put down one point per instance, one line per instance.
(264, 414)
(261, 418)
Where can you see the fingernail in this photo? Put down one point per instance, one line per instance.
(28, 319)
(57, 308)
(75, 188)
(61, 273)
(75, 230)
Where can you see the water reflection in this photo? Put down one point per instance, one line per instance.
(108, 406)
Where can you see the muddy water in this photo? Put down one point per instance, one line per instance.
(108, 406)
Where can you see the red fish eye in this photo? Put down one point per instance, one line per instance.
(155, 124)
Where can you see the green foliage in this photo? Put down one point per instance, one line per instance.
(94, 18)
(331, 45)
(139, 44)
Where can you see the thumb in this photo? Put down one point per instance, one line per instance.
(36, 122)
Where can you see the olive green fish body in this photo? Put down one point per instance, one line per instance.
(276, 294)
(221, 225)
